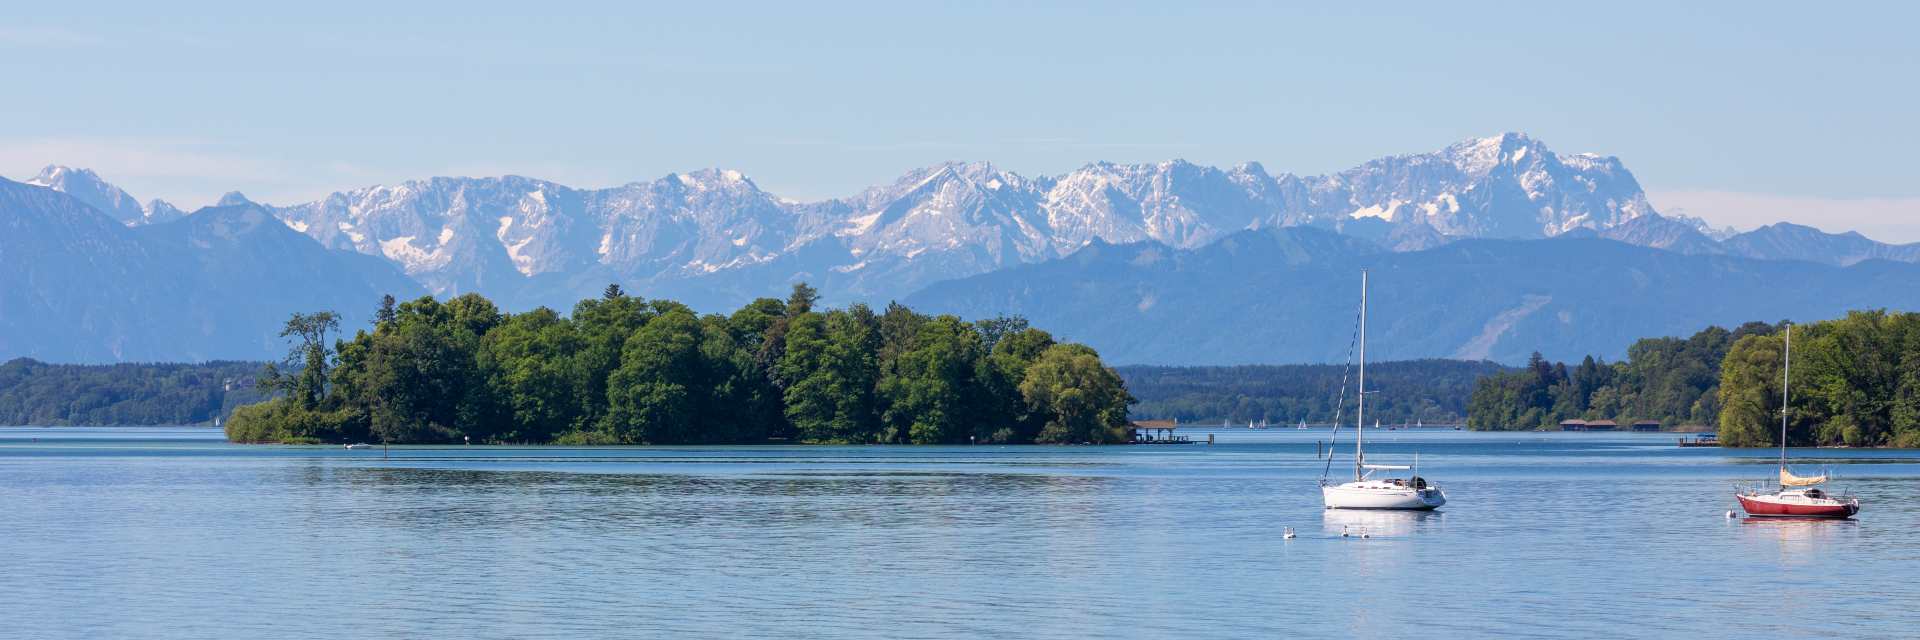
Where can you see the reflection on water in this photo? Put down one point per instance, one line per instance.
(1380, 523)
(179, 536)
(1798, 540)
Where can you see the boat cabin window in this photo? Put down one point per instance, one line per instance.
(1815, 493)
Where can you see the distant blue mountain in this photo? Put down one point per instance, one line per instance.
(80, 286)
(1290, 295)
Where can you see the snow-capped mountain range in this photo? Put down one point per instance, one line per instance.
(714, 238)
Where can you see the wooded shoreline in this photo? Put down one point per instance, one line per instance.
(1857, 389)
(1856, 383)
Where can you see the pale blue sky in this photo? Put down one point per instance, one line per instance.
(1739, 112)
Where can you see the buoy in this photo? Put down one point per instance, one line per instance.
(1288, 534)
(1729, 514)
(1343, 531)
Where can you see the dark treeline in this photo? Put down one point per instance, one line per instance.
(1674, 381)
(1430, 391)
(37, 393)
(623, 370)
(1855, 382)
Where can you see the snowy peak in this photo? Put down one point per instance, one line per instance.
(1479, 157)
(714, 180)
(972, 213)
(693, 223)
(1508, 185)
(86, 186)
(1177, 202)
(158, 211)
(453, 234)
(1705, 228)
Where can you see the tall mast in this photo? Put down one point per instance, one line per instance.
(1360, 412)
(1786, 372)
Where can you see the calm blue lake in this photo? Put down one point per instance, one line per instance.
(172, 533)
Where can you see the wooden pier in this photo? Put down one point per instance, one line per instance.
(1702, 440)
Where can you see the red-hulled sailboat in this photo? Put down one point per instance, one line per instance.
(1798, 496)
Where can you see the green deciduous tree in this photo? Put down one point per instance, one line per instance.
(930, 392)
(831, 365)
(603, 326)
(529, 361)
(654, 394)
(1080, 399)
(308, 355)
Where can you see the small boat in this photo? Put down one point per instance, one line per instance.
(1809, 502)
(359, 445)
(1365, 492)
(1797, 496)
(1303, 425)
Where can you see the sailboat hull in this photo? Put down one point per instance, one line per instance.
(1379, 495)
(1789, 505)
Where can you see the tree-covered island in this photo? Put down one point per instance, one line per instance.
(624, 370)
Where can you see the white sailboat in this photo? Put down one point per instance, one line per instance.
(1366, 492)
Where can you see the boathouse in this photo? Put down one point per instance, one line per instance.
(1646, 425)
(1573, 425)
(1157, 432)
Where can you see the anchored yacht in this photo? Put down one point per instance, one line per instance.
(1797, 496)
(1365, 491)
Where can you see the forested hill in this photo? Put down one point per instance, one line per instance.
(41, 394)
(1430, 391)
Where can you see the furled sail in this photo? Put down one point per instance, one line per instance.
(1788, 479)
(1386, 467)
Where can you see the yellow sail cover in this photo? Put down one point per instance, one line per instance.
(1788, 479)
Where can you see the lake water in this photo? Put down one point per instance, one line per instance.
(172, 533)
